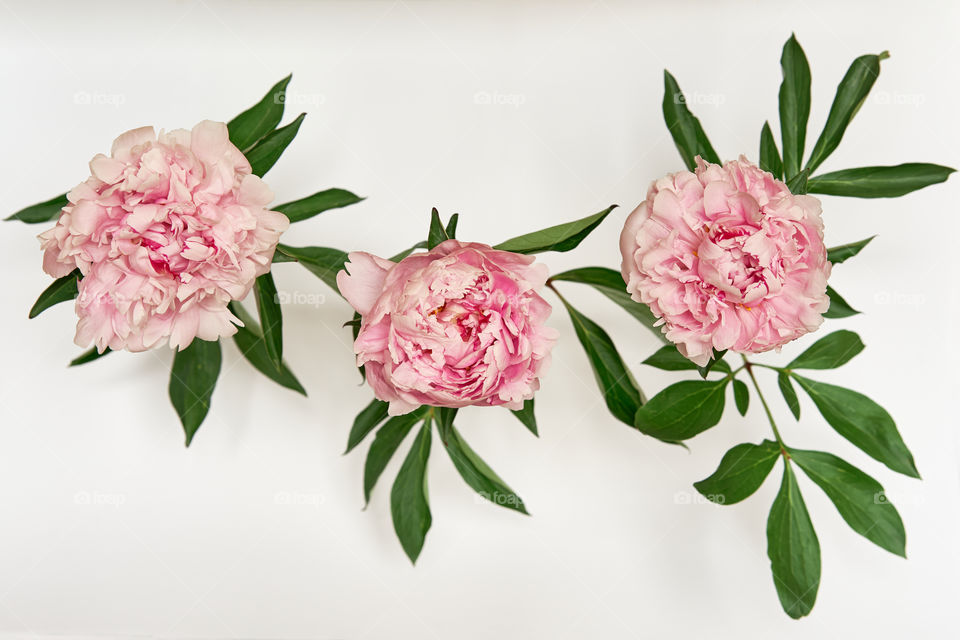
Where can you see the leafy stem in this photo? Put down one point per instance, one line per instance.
(776, 432)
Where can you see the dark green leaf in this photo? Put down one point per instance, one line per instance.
(741, 396)
(839, 308)
(366, 421)
(271, 317)
(741, 472)
(438, 232)
(794, 105)
(610, 283)
(682, 410)
(879, 182)
(798, 183)
(685, 128)
(42, 212)
(793, 549)
(409, 505)
(863, 422)
(562, 237)
(836, 255)
(268, 150)
(388, 439)
(322, 262)
(859, 498)
(445, 417)
(479, 475)
(403, 254)
(769, 155)
(355, 329)
(61, 290)
(789, 394)
(250, 342)
(829, 352)
(452, 225)
(851, 92)
(527, 417)
(192, 380)
(668, 358)
(260, 119)
(620, 392)
(89, 356)
(715, 358)
(317, 203)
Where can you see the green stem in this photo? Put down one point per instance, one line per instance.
(776, 432)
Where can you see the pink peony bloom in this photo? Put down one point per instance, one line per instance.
(727, 258)
(166, 231)
(460, 325)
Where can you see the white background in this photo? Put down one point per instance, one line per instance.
(110, 528)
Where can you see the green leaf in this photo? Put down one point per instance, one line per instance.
(445, 417)
(192, 380)
(385, 444)
(319, 202)
(47, 211)
(88, 356)
(682, 410)
(715, 358)
(879, 182)
(794, 105)
(668, 358)
(527, 417)
(789, 394)
(322, 262)
(409, 504)
(741, 396)
(839, 308)
(562, 237)
(836, 255)
(619, 390)
(437, 232)
(741, 472)
(863, 422)
(479, 475)
(250, 342)
(366, 421)
(769, 155)
(851, 92)
(265, 153)
(610, 283)
(271, 317)
(260, 119)
(685, 128)
(355, 330)
(61, 290)
(798, 183)
(829, 352)
(793, 549)
(452, 225)
(403, 254)
(859, 498)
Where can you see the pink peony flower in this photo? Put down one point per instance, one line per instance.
(727, 258)
(166, 231)
(460, 325)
